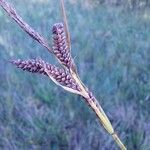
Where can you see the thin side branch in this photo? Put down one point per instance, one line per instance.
(28, 29)
(65, 24)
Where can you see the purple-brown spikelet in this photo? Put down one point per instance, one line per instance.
(60, 47)
(61, 76)
(34, 66)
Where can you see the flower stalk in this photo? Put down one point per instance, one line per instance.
(96, 107)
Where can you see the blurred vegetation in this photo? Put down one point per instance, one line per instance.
(111, 46)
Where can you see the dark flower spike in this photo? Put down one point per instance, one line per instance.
(60, 76)
(60, 47)
(31, 65)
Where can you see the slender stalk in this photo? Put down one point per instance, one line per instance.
(65, 23)
(118, 141)
(107, 125)
(96, 107)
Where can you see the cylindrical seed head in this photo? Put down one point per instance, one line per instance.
(60, 45)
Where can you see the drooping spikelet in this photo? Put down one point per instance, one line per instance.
(60, 75)
(60, 47)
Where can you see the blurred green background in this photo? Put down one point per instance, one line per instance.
(111, 47)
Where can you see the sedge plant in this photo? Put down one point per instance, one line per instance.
(66, 76)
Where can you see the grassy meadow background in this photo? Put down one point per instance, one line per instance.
(111, 47)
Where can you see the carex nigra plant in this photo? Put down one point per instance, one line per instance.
(65, 76)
